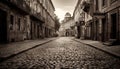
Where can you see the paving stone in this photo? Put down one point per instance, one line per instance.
(62, 53)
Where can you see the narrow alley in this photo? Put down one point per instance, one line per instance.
(59, 34)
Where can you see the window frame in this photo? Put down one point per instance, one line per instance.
(104, 3)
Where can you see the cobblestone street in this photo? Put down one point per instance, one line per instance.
(63, 53)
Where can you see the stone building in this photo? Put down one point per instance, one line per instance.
(49, 18)
(78, 16)
(67, 26)
(100, 20)
(82, 19)
(87, 7)
(25, 19)
(107, 20)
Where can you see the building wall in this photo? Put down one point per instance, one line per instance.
(105, 21)
(16, 24)
(78, 15)
(82, 20)
(101, 19)
(28, 19)
(78, 12)
(66, 28)
(50, 21)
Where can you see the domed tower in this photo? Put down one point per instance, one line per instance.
(67, 16)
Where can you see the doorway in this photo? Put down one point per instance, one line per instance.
(97, 30)
(103, 29)
(38, 31)
(3, 27)
(113, 26)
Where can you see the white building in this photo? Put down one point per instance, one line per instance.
(67, 26)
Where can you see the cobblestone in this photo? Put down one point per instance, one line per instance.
(114, 50)
(62, 53)
(14, 48)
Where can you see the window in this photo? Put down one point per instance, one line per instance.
(19, 21)
(11, 22)
(11, 19)
(97, 5)
(104, 3)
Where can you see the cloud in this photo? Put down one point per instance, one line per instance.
(60, 13)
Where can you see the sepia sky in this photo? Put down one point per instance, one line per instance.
(63, 6)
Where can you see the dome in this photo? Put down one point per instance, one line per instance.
(67, 14)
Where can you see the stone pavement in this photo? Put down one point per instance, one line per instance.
(8, 50)
(62, 53)
(113, 50)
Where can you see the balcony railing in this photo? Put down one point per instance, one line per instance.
(38, 17)
(99, 14)
(20, 4)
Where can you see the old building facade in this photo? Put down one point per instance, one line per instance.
(67, 26)
(100, 19)
(83, 18)
(78, 15)
(25, 19)
(106, 14)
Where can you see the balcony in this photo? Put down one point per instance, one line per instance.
(17, 4)
(21, 4)
(99, 14)
(37, 16)
(86, 6)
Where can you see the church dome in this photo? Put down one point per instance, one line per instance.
(67, 14)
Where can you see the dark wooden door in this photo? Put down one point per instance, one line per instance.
(113, 26)
(3, 26)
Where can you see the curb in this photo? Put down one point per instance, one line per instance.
(114, 55)
(2, 59)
